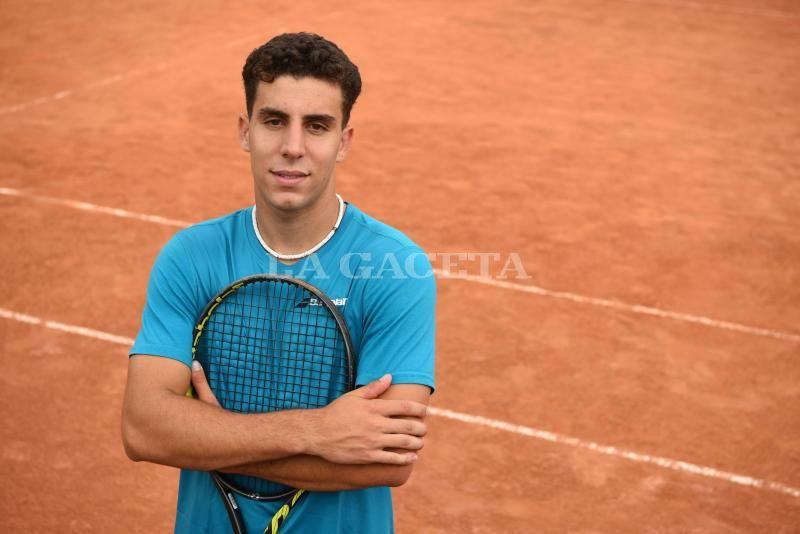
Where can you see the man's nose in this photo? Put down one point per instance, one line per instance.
(294, 143)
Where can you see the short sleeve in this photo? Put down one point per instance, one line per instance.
(399, 321)
(172, 306)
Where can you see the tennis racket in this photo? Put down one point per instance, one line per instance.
(270, 343)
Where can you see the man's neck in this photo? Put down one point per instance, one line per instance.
(296, 231)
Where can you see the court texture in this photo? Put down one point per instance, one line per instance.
(640, 157)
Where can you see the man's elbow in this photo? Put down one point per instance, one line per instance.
(132, 453)
(138, 440)
(378, 475)
(132, 442)
(397, 476)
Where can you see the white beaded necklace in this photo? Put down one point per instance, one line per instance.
(307, 252)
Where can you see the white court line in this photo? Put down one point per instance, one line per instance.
(130, 74)
(659, 461)
(86, 206)
(133, 73)
(622, 306)
(35, 102)
(93, 85)
(525, 288)
(70, 329)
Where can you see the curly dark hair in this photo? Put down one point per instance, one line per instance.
(300, 55)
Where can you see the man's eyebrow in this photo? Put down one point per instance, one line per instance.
(320, 117)
(267, 112)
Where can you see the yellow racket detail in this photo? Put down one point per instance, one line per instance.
(199, 328)
(282, 512)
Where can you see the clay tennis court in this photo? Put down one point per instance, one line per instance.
(641, 157)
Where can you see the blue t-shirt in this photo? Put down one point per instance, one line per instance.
(381, 282)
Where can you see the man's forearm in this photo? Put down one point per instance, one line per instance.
(161, 425)
(316, 474)
(191, 434)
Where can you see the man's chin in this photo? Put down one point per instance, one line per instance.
(288, 200)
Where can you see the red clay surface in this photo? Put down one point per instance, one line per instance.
(642, 151)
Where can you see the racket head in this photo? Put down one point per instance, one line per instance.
(269, 343)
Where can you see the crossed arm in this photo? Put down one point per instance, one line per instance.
(369, 437)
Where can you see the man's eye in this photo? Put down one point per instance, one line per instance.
(317, 127)
(273, 122)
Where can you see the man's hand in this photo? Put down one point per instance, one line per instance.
(356, 427)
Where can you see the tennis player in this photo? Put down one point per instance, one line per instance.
(300, 89)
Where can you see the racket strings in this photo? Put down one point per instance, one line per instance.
(272, 345)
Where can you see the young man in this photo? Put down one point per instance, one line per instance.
(299, 91)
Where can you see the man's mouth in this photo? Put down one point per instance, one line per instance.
(287, 177)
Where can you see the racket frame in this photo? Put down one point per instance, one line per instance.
(227, 490)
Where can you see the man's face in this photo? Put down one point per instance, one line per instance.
(295, 138)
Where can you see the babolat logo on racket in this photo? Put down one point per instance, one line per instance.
(313, 301)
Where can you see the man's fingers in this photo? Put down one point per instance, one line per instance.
(402, 441)
(394, 458)
(375, 388)
(409, 427)
(200, 385)
(403, 408)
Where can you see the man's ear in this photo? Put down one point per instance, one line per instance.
(344, 144)
(244, 132)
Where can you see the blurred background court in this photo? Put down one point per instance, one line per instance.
(642, 157)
